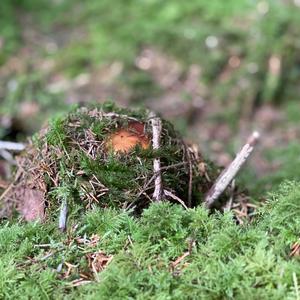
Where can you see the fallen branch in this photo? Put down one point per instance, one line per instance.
(230, 172)
(156, 135)
(11, 146)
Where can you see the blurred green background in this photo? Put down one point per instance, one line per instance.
(217, 69)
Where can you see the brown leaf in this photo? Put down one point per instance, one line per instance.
(98, 261)
(295, 249)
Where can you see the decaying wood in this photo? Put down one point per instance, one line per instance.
(156, 136)
(230, 172)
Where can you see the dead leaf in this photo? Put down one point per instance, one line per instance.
(91, 242)
(98, 261)
(295, 249)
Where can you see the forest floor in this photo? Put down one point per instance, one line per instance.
(199, 66)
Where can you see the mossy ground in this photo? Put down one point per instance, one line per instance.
(226, 260)
(73, 160)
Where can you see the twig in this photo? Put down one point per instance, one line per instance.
(146, 186)
(6, 192)
(190, 175)
(7, 156)
(228, 205)
(230, 172)
(11, 146)
(96, 113)
(171, 195)
(3, 195)
(46, 256)
(156, 135)
(63, 216)
(179, 259)
(114, 115)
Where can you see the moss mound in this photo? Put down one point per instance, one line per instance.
(166, 253)
(103, 156)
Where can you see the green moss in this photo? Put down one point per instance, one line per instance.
(76, 164)
(227, 260)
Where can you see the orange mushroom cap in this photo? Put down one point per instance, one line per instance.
(125, 139)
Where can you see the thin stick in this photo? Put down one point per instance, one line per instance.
(7, 156)
(63, 216)
(17, 176)
(180, 259)
(190, 175)
(11, 146)
(230, 172)
(114, 115)
(171, 195)
(6, 191)
(156, 135)
(228, 205)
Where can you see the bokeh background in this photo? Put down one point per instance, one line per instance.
(217, 69)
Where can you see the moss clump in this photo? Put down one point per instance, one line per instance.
(102, 156)
(226, 261)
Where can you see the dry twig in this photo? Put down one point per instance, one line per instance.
(11, 146)
(180, 259)
(229, 203)
(63, 216)
(156, 136)
(230, 172)
(171, 195)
